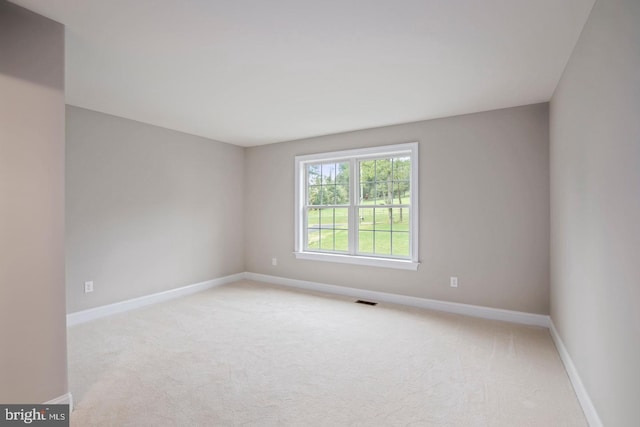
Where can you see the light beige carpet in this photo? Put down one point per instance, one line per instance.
(250, 354)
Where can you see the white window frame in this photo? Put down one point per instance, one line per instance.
(353, 156)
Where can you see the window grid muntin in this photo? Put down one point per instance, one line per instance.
(390, 231)
(322, 185)
(394, 164)
(319, 228)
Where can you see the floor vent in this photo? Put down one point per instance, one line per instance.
(366, 302)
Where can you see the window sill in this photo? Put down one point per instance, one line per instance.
(400, 264)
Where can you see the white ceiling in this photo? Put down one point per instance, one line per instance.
(253, 72)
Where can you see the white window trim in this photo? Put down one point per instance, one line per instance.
(300, 185)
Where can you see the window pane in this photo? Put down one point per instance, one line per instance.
(313, 238)
(313, 175)
(342, 218)
(401, 168)
(401, 192)
(326, 240)
(367, 179)
(385, 180)
(328, 184)
(342, 174)
(373, 197)
(365, 218)
(384, 189)
(326, 218)
(367, 171)
(342, 194)
(383, 218)
(331, 218)
(328, 173)
(401, 219)
(335, 195)
(383, 169)
(400, 243)
(342, 240)
(314, 195)
(329, 195)
(313, 217)
(365, 242)
(366, 193)
(382, 243)
(328, 229)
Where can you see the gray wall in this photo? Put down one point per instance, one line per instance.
(484, 210)
(33, 358)
(595, 209)
(148, 209)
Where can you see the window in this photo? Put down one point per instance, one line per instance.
(359, 206)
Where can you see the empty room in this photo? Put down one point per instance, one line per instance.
(329, 213)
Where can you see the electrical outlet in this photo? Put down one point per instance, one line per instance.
(274, 261)
(88, 287)
(453, 282)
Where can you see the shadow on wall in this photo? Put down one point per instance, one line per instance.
(21, 63)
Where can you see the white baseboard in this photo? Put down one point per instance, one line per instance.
(450, 307)
(583, 397)
(119, 307)
(65, 399)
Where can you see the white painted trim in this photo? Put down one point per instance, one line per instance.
(357, 152)
(119, 307)
(298, 197)
(415, 202)
(401, 264)
(450, 307)
(65, 399)
(581, 392)
(353, 156)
